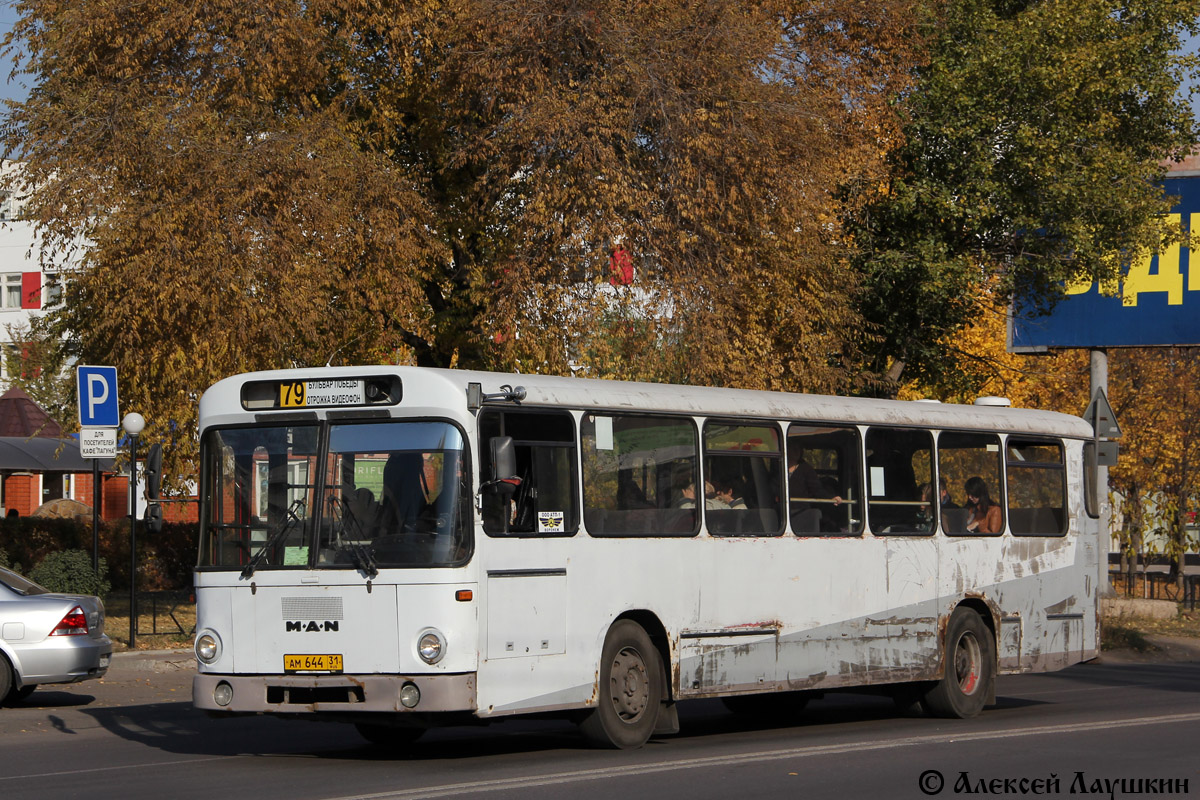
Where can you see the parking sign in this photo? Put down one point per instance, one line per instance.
(97, 390)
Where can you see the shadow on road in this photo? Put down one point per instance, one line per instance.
(1167, 676)
(48, 698)
(177, 728)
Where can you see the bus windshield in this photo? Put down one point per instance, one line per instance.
(349, 495)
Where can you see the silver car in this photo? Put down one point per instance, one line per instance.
(47, 637)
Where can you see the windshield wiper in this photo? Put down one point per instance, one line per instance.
(361, 554)
(285, 526)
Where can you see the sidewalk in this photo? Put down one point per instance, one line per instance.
(153, 661)
(1170, 648)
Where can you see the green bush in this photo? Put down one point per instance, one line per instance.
(70, 571)
(4, 559)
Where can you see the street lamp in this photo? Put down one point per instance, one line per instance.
(134, 423)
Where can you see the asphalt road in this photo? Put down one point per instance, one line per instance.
(134, 735)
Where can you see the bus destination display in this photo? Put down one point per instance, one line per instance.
(306, 394)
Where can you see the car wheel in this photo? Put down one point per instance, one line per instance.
(6, 677)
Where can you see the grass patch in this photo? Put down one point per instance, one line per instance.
(1185, 623)
(1126, 632)
(1121, 636)
(163, 624)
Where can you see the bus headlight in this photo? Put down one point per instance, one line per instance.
(431, 646)
(208, 647)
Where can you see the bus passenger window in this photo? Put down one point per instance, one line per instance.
(639, 475)
(1037, 488)
(899, 467)
(967, 460)
(744, 466)
(543, 500)
(824, 480)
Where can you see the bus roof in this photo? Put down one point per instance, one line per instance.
(447, 388)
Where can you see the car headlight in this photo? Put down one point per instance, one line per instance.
(431, 646)
(208, 647)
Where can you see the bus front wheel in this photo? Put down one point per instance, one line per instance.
(968, 671)
(630, 689)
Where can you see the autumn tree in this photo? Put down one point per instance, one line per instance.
(1032, 154)
(1155, 393)
(443, 182)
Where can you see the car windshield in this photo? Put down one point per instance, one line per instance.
(355, 495)
(20, 585)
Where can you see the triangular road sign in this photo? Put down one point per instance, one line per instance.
(1100, 414)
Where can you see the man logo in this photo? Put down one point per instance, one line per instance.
(312, 626)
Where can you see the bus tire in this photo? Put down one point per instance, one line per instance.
(630, 689)
(389, 735)
(968, 671)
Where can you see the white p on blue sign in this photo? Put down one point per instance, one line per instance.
(97, 397)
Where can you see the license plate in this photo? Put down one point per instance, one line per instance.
(104, 661)
(320, 663)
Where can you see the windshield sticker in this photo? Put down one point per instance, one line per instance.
(550, 521)
(295, 556)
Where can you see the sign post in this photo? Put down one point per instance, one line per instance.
(96, 388)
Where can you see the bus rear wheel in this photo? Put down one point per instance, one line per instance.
(631, 689)
(969, 669)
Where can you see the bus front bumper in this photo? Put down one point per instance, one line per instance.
(306, 694)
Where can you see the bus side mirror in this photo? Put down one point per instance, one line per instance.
(154, 518)
(153, 471)
(504, 459)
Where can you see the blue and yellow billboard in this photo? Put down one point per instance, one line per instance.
(1156, 303)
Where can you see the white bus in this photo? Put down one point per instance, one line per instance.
(401, 547)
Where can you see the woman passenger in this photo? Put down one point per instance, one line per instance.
(986, 516)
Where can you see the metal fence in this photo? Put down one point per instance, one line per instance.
(168, 613)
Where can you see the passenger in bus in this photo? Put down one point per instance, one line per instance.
(947, 500)
(362, 509)
(629, 494)
(804, 486)
(925, 517)
(726, 495)
(986, 516)
(404, 496)
(687, 497)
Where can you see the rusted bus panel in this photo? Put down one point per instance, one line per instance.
(1008, 643)
(713, 661)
